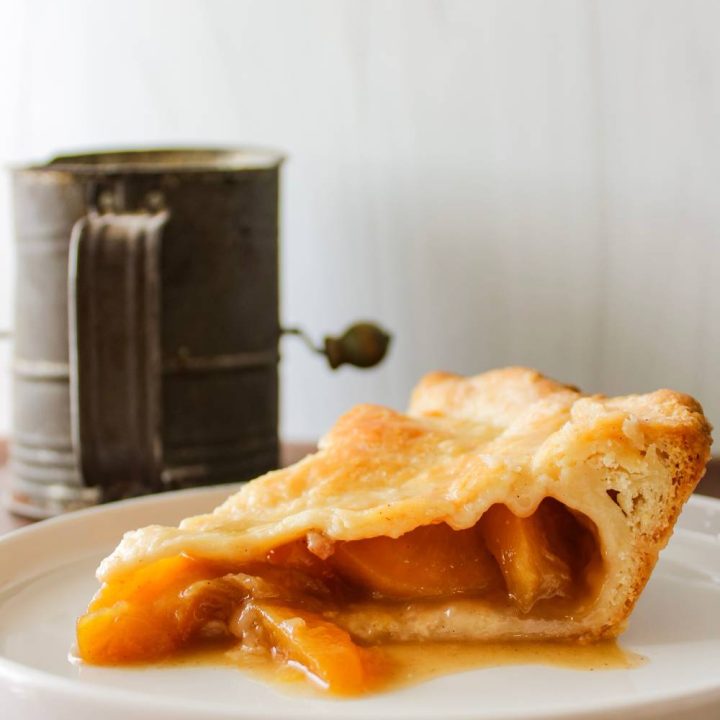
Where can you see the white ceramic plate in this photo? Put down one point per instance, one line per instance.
(46, 578)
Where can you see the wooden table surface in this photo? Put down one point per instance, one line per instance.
(291, 452)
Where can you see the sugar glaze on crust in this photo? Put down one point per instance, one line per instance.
(508, 436)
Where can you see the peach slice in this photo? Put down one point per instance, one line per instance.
(430, 561)
(531, 569)
(141, 617)
(323, 649)
(160, 578)
(125, 633)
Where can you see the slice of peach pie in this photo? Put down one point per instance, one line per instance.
(502, 506)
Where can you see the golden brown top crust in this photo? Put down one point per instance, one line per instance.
(510, 436)
(500, 396)
(497, 396)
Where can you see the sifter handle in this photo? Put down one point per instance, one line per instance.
(115, 352)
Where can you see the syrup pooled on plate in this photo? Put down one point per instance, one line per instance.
(396, 665)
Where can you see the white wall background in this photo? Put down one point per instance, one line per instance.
(498, 182)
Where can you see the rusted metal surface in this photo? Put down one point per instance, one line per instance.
(146, 348)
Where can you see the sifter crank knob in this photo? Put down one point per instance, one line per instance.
(363, 345)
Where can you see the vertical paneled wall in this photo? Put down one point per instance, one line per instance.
(497, 182)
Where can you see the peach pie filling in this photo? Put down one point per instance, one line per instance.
(283, 606)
